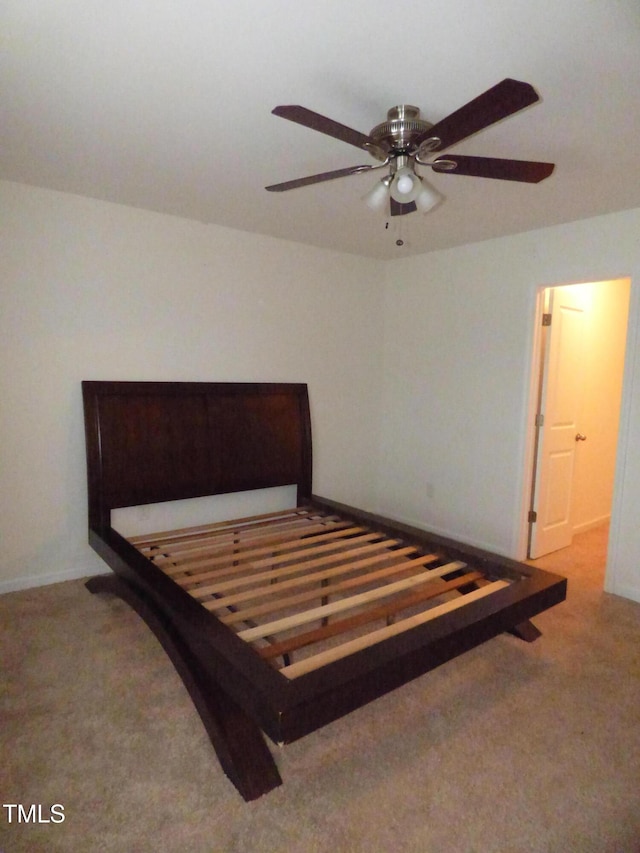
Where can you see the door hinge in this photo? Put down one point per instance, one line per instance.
(539, 419)
(532, 517)
(546, 319)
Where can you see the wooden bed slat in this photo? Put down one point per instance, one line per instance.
(236, 547)
(299, 598)
(343, 545)
(243, 562)
(383, 611)
(178, 533)
(345, 558)
(196, 568)
(323, 658)
(269, 590)
(345, 603)
(240, 535)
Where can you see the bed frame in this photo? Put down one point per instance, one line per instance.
(285, 621)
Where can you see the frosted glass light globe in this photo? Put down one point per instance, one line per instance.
(427, 198)
(375, 199)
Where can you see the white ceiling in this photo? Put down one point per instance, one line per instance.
(166, 105)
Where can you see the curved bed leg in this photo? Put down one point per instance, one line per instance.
(237, 740)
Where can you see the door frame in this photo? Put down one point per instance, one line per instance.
(531, 431)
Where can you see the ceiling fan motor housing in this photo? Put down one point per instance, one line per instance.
(398, 133)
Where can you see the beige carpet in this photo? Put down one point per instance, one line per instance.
(512, 747)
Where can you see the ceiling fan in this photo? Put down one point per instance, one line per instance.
(405, 140)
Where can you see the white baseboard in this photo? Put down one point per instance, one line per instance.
(589, 525)
(28, 582)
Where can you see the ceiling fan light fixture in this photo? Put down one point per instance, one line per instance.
(427, 198)
(377, 197)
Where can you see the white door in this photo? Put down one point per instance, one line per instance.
(559, 430)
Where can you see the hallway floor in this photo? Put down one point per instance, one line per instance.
(585, 559)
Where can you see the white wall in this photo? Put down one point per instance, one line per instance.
(430, 427)
(459, 328)
(91, 290)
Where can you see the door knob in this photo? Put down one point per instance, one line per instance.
(580, 437)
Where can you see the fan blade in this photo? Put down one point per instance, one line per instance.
(528, 171)
(399, 209)
(500, 101)
(315, 121)
(317, 179)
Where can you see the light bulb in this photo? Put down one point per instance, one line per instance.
(405, 185)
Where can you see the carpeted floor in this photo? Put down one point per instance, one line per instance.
(584, 561)
(513, 747)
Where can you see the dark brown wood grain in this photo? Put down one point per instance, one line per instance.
(150, 442)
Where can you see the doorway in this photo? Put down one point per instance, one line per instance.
(580, 348)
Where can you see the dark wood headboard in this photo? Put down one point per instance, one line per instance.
(149, 442)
